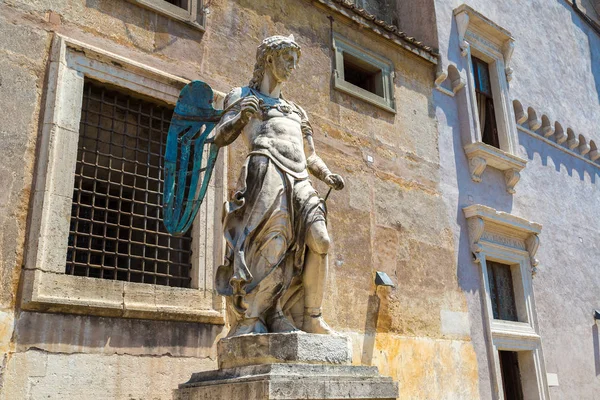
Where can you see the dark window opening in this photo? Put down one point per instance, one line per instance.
(511, 376)
(485, 103)
(179, 3)
(501, 291)
(116, 229)
(362, 74)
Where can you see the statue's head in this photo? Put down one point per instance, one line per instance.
(280, 54)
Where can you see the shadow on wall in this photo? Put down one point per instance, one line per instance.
(370, 328)
(560, 160)
(596, 348)
(66, 333)
(490, 192)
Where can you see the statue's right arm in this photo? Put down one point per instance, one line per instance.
(237, 114)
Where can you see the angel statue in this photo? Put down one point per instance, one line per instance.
(275, 224)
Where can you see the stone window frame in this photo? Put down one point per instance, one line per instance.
(46, 286)
(507, 239)
(482, 38)
(194, 15)
(342, 45)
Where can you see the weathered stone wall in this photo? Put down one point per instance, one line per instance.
(391, 216)
(556, 71)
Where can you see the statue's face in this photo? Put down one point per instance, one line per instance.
(283, 64)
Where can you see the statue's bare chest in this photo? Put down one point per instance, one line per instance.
(277, 130)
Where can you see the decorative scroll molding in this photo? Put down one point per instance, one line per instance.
(481, 155)
(462, 23)
(511, 177)
(554, 134)
(477, 167)
(476, 229)
(532, 243)
(507, 52)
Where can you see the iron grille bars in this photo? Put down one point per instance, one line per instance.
(116, 229)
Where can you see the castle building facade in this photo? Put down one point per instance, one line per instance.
(466, 132)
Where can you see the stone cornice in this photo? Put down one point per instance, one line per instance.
(380, 27)
(489, 225)
(556, 134)
(502, 218)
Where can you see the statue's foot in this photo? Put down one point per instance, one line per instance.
(248, 326)
(314, 323)
(278, 323)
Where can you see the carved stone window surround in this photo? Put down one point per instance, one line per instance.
(510, 240)
(46, 287)
(194, 15)
(482, 38)
(341, 46)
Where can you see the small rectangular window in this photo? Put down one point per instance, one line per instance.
(501, 291)
(191, 12)
(179, 3)
(363, 74)
(485, 103)
(511, 375)
(116, 229)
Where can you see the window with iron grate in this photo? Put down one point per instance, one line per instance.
(502, 292)
(116, 229)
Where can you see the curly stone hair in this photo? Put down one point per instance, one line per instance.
(271, 46)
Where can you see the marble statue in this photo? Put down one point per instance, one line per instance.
(275, 224)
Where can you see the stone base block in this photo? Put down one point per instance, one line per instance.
(289, 382)
(277, 348)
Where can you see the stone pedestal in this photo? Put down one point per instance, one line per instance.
(289, 366)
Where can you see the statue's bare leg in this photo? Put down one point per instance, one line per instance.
(314, 278)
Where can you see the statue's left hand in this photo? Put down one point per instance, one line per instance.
(335, 181)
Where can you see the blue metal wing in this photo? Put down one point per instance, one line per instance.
(189, 136)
